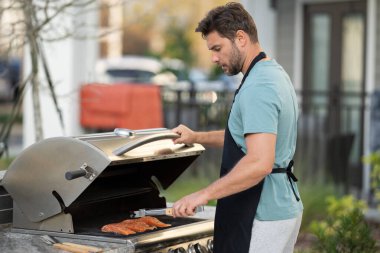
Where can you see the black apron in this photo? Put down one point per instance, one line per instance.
(235, 213)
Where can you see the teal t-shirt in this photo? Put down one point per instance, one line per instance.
(266, 103)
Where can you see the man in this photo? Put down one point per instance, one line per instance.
(259, 209)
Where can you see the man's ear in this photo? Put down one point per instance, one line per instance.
(241, 38)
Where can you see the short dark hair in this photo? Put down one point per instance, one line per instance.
(227, 20)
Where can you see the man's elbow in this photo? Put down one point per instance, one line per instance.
(266, 170)
(262, 167)
(267, 167)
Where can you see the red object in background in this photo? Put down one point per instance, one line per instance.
(132, 106)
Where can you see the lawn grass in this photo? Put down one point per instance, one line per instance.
(186, 185)
(314, 201)
(313, 196)
(5, 162)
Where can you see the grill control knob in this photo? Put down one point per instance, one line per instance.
(180, 250)
(199, 248)
(210, 245)
(170, 250)
(191, 249)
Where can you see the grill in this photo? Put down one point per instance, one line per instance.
(72, 186)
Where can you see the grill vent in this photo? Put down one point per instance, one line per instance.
(6, 206)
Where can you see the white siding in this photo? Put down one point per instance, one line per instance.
(71, 64)
(377, 50)
(286, 29)
(265, 18)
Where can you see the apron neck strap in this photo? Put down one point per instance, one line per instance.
(258, 58)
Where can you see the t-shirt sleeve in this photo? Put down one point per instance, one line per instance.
(260, 107)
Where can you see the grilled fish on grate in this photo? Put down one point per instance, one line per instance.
(131, 226)
(154, 222)
(118, 229)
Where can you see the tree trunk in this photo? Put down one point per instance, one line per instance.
(35, 81)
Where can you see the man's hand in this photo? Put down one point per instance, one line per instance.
(187, 136)
(186, 206)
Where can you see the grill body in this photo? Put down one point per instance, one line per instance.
(72, 186)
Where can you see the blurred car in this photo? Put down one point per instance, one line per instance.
(200, 81)
(133, 69)
(9, 78)
(231, 83)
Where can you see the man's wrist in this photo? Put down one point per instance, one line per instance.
(197, 137)
(206, 195)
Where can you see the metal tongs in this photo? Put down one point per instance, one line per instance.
(160, 211)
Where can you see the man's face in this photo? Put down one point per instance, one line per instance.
(225, 53)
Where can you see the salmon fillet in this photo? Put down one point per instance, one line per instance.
(136, 225)
(131, 226)
(117, 228)
(152, 221)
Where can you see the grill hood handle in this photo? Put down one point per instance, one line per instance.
(144, 140)
(128, 132)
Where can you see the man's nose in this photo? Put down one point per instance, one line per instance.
(214, 58)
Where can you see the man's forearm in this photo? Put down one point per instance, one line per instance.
(211, 138)
(243, 176)
(249, 171)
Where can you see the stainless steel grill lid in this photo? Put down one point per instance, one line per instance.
(59, 169)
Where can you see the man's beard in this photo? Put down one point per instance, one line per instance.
(235, 64)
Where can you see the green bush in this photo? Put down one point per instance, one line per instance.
(344, 230)
(374, 160)
(314, 202)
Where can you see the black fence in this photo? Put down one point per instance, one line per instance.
(330, 131)
(331, 134)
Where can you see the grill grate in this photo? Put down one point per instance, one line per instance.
(93, 229)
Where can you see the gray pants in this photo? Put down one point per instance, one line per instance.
(274, 236)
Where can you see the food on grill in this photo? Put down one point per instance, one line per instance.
(131, 226)
(137, 225)
(117, 228)
(154, 222)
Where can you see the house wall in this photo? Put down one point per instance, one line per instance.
(265, 17)
(290, 54)
(290, 32)
(286, 29)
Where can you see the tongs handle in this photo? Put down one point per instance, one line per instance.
(144, 140)
(163, 211)
(68, 246)
(169, 211)
(76, 248)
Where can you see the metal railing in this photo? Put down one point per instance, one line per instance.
(330, 130)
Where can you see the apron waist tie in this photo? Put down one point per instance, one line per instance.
(292, 178)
